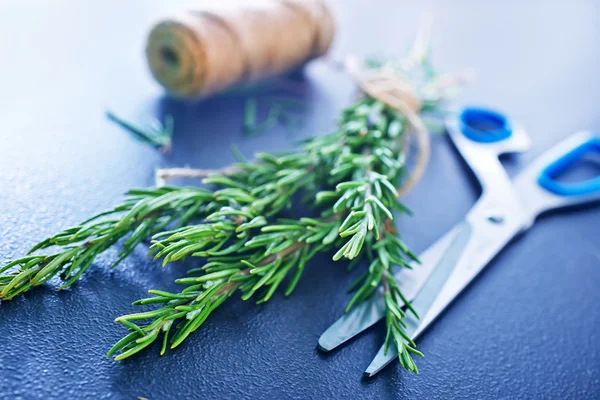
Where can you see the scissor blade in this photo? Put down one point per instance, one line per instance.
(411, 281)
(487, 238)
(352, 323)
(428, 294)
(369, 312)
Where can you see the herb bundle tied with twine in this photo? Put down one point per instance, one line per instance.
(351, 178)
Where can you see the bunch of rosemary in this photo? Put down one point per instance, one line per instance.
(234, 225)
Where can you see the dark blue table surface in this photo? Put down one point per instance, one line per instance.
(526, 328)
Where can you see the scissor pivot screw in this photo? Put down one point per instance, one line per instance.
(496, 219)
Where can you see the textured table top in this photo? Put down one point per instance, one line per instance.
(526, 328)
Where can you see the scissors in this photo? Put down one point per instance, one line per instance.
(504, 210)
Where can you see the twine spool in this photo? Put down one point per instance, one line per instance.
(227, 42)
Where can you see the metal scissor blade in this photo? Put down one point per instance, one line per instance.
(369, 312)
(411, 281)
(464, 261)
(429, 292)
(362, 317)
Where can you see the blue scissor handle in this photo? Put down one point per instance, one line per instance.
(547, 178)
(484, 125)
(538, 187)
(481, 135)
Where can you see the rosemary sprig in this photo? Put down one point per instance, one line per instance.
(277, 252)
(390, 251)
(143, 213)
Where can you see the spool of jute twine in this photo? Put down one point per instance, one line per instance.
(227, 42)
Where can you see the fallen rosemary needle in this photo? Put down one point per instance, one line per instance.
(236, 229)
(157, 135)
